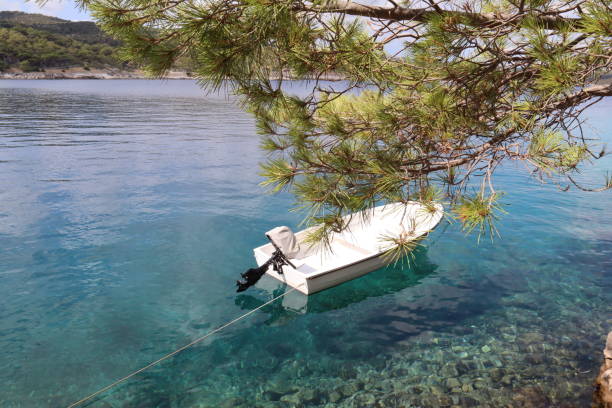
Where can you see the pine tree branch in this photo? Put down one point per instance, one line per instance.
(348, 7)
(592, 91)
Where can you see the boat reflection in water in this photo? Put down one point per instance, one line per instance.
(390, 279)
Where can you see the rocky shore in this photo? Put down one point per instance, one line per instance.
(115, 74)
(603, 384)
(137, 74)
(91, 74)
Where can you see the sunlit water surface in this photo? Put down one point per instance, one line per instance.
(128, 209)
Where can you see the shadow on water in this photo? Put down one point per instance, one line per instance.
(448, 304)
(388, 280)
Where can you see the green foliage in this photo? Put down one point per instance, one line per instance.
(430, 197)
(27, 66)
(34, 42)
(401, 248)
(479, 212)
(430, 101)
(597, 19)
(552, 154)
(278, 173)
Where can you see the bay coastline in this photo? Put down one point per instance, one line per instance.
(76, 73)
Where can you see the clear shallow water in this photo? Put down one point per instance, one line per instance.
(130, 207)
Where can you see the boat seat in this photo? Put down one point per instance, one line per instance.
(352, 246)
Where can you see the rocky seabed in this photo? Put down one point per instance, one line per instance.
(520, 359)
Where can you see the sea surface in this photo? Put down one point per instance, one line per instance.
(128, 209)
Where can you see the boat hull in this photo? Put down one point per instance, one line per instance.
(344, 274)
(328, 279)
(353, 253)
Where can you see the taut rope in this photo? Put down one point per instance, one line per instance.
(167, 356)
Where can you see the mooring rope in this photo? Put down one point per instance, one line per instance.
(167, 356)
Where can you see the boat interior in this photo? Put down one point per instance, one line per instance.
(363, 238)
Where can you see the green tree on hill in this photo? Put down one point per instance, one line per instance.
(33, 42)
(438, 93)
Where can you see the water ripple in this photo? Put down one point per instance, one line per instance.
(130, 207)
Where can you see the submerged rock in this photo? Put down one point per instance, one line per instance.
(271, 395)
(291, 399)
(282, 387)
(449, 370)
(531, 397)
(531, 338)
(349, 389)
(453, 383)
(467, 388)
(308, 395)
(233, 402)
(603, 384)
(335, 396)
(369, 399)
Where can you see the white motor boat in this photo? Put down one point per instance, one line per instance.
(352, 253)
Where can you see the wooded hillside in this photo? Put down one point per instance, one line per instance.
(33, 42)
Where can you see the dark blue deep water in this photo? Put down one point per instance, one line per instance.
(128, 209)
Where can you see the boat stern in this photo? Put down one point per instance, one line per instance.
(290, 276)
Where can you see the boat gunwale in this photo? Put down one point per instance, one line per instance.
(378, 254)
(322, 273)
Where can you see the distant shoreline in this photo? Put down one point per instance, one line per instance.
(93, 74)
(57, 74)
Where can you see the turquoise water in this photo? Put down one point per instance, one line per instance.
(130, 207)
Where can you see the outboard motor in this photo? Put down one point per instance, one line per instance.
(285, 237)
